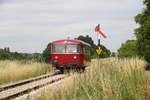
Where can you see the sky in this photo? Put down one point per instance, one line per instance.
(29, 25)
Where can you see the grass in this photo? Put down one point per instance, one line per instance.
(107, 79)
(11, 71)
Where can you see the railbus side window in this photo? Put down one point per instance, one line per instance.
(87, 54)
(80, 49)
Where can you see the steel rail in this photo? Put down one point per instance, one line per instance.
(26, 81)
(25, 91)
(46, 80)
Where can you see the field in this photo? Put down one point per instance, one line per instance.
(11, 71)
(107, 79)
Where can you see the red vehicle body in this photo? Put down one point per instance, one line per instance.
(69, 54)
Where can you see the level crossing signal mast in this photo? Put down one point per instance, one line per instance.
(98, 30)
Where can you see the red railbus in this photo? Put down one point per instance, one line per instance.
(69, 54)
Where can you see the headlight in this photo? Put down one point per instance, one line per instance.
(56, 57)
(75, 57)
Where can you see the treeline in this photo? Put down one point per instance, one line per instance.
(141, 46)
(5, 54)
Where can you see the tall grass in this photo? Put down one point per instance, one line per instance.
(108, 79)
(11, 71)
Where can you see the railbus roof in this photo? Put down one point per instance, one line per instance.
(70, 42)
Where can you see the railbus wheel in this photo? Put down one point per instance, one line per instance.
(62, 70)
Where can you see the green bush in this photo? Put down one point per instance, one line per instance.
(128, 49)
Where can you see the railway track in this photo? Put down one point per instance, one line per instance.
(14, 90)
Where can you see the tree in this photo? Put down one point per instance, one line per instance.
(46, 53)
(16, 55)
(4, 55)
(143, 32)
(128, 49)
(88, 39)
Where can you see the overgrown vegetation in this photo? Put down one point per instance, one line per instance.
(108, 79)
(11, 71)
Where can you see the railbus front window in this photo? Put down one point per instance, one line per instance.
(71, 49)
(58, 49)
